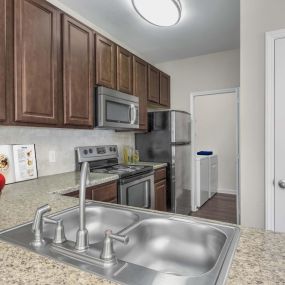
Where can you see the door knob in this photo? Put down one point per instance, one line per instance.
(281, 183)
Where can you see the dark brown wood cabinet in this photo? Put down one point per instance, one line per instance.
(78, 73)
(140, 88)
(160, 189)
(3, 23)
(153, 84)
(164, 90)
(104, 193)
(37, 61)
(160, 196)
(124, 70)
(105, 62)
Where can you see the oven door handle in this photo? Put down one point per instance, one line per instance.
(146, 197)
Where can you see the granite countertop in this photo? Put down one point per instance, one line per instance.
(155, 165)
(260, 257)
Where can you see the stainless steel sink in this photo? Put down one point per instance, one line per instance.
(173, 247)
(163, 249)
(98, 220)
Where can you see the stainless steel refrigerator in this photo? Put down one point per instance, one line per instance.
(168, 140)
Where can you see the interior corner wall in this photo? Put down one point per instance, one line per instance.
(202, 73)
(257, 17)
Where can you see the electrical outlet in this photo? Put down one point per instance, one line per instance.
(51, 156)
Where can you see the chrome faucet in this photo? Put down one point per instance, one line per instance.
(82, 241)
(37, 227)
(107, 253)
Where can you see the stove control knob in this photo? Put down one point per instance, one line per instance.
(90, 150)
(110, 148)
(85, 151)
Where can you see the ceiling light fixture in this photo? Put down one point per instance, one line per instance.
(162, 13)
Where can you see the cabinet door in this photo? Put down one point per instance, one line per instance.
(160, 195)
(153, 84)
(78, 59)
(164, 93)
(140, 89)
(105, 62)
(3, 60)
(105, 193)
(124, 70)
(37, 49)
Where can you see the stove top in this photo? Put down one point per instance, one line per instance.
(104, 159)
(124, 170)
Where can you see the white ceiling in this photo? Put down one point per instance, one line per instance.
(207, 26)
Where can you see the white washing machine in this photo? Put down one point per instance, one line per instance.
(206, 178)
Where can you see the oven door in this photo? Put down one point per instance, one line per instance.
(137, 191)
(117, 113)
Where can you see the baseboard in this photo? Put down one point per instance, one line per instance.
(227, 191)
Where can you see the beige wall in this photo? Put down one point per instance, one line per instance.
(62, 141)
(216, 130)
(202, 73)
(257, 17)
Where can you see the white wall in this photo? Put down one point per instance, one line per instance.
(216, 125)
(62, 141)
(257, 17)
(202, 73)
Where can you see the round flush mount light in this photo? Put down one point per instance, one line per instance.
(162, 13)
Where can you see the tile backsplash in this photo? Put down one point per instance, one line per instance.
(61, 142)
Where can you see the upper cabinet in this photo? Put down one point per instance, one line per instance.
(164, 90)
(140, 74)
(153, 84)
(158, 87)
(78, 66)
(37, 61)
(48, 62)
(105, 62)
(124, 70)
(3, 111)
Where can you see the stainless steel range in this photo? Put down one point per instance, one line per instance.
(136, 182)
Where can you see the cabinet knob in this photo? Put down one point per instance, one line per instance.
(281, 183)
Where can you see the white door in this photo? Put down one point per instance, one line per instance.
(280, 135)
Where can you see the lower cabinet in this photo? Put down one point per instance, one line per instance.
(104, 193)
(160, 189)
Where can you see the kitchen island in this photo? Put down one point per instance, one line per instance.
(259, 259)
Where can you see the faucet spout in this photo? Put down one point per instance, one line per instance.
(82, 241)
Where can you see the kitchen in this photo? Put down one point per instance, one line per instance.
(53, 110)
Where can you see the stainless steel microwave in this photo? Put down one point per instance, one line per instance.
(116, 110)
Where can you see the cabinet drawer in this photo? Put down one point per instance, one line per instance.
(160, 174)
(104, 193)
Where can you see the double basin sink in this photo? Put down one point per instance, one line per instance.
(163, 248)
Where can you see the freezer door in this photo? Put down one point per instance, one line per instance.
(182, 192)
(180, 127)
(156, 144)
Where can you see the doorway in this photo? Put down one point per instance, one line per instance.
(274, 132)
(215, 155)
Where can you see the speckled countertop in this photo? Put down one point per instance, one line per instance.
(260, 257)
(155, 165)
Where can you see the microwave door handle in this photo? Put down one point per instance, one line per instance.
(133, 114)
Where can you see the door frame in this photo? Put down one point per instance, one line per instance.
(193, 95)
(270, 39)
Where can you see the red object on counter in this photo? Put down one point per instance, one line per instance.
(2, 182)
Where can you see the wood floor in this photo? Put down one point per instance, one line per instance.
(221, 207)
